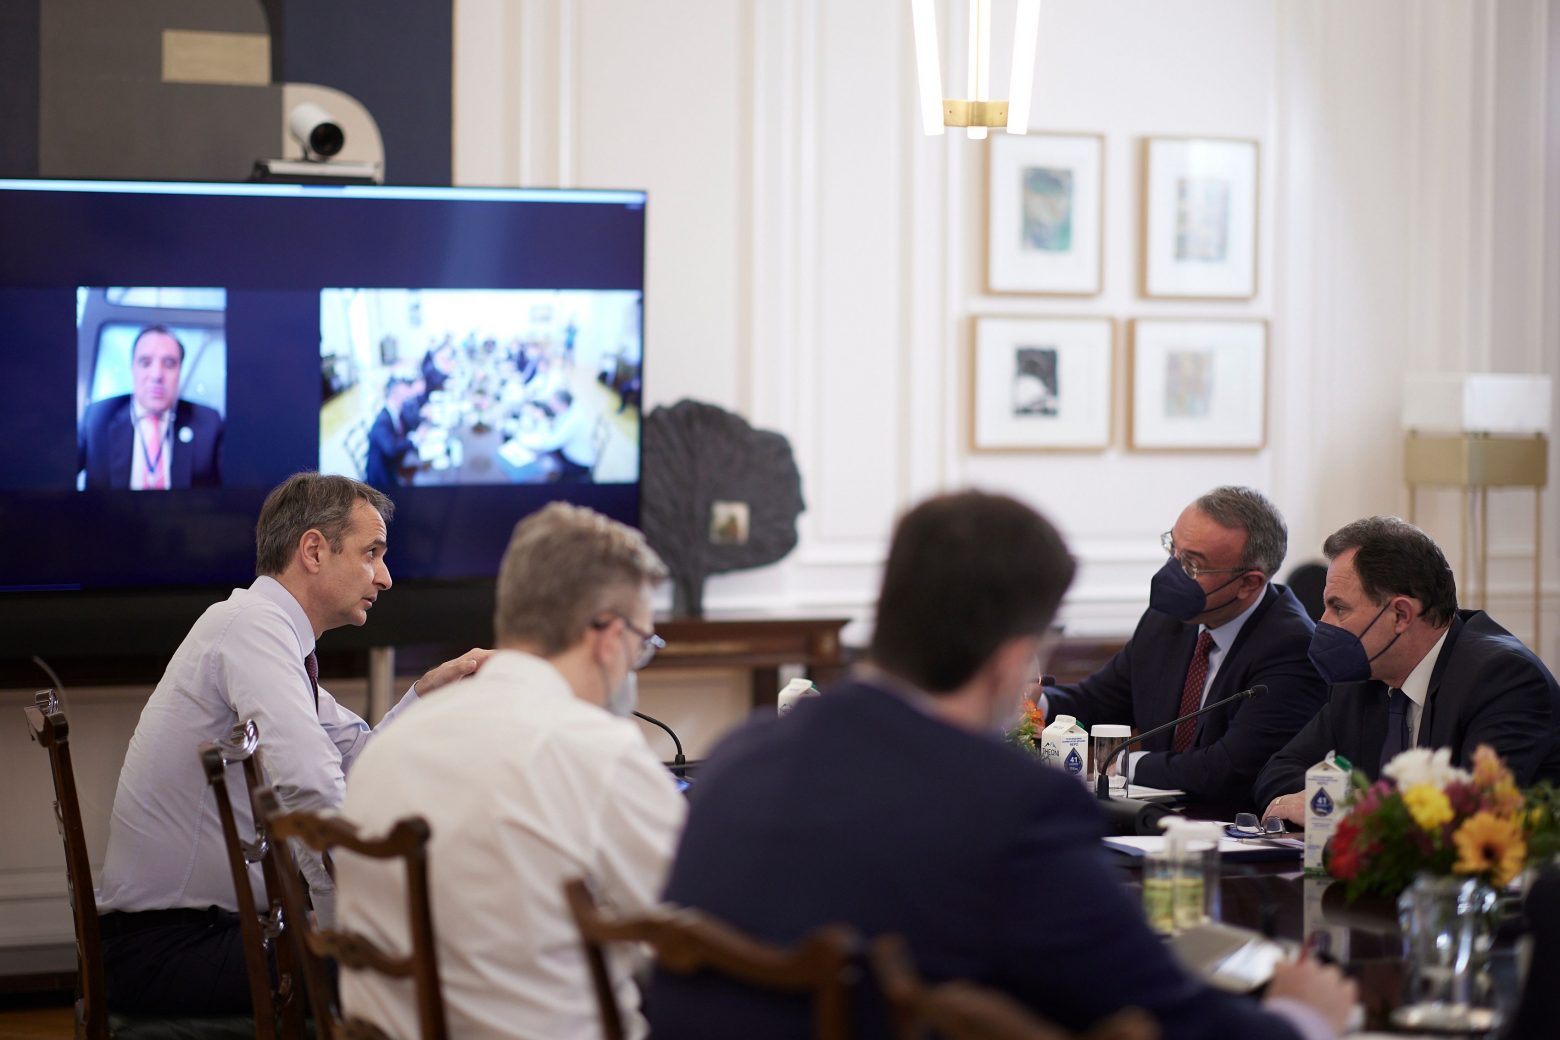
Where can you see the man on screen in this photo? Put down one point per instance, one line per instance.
(150, 439)
(390, 445)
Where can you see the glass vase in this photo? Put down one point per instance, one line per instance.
(1448, 929)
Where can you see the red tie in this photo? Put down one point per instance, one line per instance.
(1191, 693)
(311, 664)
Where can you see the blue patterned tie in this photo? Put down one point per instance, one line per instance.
(1397, 725)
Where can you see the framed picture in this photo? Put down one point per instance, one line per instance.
(1044, 219)
(1199, 218)
(1042, 384)
(1198, 385)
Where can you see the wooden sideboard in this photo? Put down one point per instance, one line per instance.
(757, 645)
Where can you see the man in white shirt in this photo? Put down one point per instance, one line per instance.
(532, 780)
(569, 437)
(171, 942)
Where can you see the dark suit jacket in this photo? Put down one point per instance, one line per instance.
(1485, 688)
(859, 808)
(387, 451)
(1142, 685)
(106, 444)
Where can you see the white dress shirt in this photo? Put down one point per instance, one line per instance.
(142, 451)
(525, 786)
(243, 659)
(1417, 687)
(572, 433)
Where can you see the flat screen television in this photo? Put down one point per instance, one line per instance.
(172, 351)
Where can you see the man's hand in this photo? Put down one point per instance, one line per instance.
(1289, 807)
(451, 671)
(1320, 986)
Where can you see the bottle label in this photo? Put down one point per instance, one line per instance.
(1074, 761)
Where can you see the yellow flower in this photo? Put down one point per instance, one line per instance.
(1505, 798)
(1487, 843)
(1488, 769)
(1428, 805)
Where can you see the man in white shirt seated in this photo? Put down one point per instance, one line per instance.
(171, 940)
(569, 436)
(534, 778)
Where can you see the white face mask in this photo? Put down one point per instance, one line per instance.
(623, 698)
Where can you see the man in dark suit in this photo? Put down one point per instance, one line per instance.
(390, 444)
(891, 805)
(1216, 625)
(150, 439)
(1411, 670)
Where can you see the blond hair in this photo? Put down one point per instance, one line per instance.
(566, 566)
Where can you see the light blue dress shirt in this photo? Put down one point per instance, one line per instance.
(242, 660)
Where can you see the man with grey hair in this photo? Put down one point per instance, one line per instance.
(533, 779)
(1216, 624)
(1408, 669)
(171, 941)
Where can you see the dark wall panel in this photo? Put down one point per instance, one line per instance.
(395, 56)
(18, 88)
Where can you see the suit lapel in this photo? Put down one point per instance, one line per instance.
(183, 461)
(121, 447)
(1427, 718)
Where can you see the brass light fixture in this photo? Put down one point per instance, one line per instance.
(978, 112)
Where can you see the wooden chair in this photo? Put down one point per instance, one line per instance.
(48, 727)
(278, 1007)
(968, 1011)
(686, 941)
(316, 947)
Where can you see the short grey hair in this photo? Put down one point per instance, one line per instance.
(309, 501)
(565, 566)
(1247, 509)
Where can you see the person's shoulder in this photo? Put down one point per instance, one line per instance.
(102, 410)
(199, 415)
(1482, 642)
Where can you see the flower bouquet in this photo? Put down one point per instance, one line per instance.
(1026, 734)
(1426, 816)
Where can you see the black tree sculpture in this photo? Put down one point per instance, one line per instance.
(717, 496)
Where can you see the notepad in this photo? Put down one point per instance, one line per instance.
(1258, 850)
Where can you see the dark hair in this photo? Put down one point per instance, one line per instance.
(1395, 558)
(165, 330)
(305, 501)
(1247, 509)
(965, 573)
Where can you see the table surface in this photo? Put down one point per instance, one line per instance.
(1274, 898)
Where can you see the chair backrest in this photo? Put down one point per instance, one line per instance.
(278, 1008)
(47, 723)
(969, 1011)
(316, 947)
(685, 941)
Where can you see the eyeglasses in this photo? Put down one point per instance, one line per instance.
(1192, 567)
(649, 642)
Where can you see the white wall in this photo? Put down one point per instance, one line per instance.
(815, 262)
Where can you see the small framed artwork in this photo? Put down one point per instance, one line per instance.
(1199, 218)
(1042, 384)
(1197, 385)
(1044, 220)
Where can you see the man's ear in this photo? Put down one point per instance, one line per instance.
(312, 548)
(1404, 610)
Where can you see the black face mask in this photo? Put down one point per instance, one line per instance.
(1177, 593)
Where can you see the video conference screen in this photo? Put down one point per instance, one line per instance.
(176, 350)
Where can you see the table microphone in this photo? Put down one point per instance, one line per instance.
(679, 762)
(1102, 779)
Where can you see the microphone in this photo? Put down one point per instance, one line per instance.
(1102, 781)
(679, 762)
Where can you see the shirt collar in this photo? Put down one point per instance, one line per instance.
(269, 588)
(1224, 635)
(137, 413)
(537, 675)
(1417, 686)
